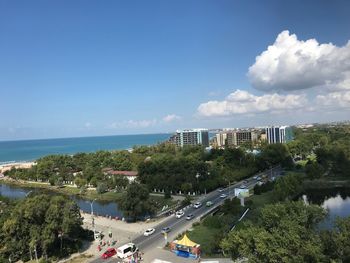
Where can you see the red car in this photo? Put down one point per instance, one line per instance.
(109, 253)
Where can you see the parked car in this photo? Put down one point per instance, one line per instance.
(223, 195)
(243, 186)
(149, 232)
(179, 214)
(109, 253)
(197, 205)
(189, 217)
(209, 203)
(220, 190)
(166, 230)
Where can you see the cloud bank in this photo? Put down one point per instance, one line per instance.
(171, 117)
(243, 102)
(286, 71)
(292, 64)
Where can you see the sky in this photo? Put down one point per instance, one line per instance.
(90, 68)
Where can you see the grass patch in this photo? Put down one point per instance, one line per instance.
(208, 238)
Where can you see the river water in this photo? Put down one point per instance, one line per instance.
(99, 207)
(336, 201)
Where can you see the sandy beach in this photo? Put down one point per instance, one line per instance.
(8, 166)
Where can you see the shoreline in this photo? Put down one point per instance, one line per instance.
(6, 166)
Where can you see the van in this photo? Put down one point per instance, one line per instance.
(126, 250)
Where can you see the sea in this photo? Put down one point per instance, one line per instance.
(30, 150)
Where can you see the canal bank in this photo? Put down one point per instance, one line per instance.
(335, 200)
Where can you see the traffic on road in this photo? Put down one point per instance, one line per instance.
(179, 219)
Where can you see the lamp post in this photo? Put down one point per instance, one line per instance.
(92, 217)
(197, 176)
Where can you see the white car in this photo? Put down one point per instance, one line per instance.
(197, 205)
(220, 190)
(223, 196)
(149, 232)
(179, 214)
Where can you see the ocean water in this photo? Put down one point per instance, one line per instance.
(29, 150)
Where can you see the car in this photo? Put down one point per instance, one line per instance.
(109, 253)
(127, 250)
(179, 214)
(166, 230)
(149, 232)
(223, 196)
(189, 217)
(255, 177)
(197, 205)
(220, 190)
(209, 203)
(258, 178)
(243, 186)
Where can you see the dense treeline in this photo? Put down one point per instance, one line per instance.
(41, 225)
(286, 232)
(331, 147)
(163, 167)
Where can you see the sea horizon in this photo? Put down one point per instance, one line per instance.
(32, 149)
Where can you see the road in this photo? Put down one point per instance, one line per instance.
(177, 224)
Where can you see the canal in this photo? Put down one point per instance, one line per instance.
(100, 208)
(336, 201)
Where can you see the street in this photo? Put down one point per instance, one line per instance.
(179, 225)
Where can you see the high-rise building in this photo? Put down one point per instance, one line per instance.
(221, 139)
(235, 137)
(279, 134)
(191, 137)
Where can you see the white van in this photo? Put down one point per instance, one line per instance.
(126, 250)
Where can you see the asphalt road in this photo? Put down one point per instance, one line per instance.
(176, 224)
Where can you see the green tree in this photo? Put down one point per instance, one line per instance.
(285, 234)
(44, 223)
(135, 202)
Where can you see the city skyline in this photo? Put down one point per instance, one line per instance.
(73, 69)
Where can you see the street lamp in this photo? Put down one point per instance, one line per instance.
(92, 217)
(197, 176)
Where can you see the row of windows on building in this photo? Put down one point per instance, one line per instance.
(273, 134)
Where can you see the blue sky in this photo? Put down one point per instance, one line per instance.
(82, 68)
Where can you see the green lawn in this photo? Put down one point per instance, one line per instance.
(208, 238)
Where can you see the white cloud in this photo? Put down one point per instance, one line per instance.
(133, 124)
(243, 102)
(338, 99)
(292, 64)
(171, 118)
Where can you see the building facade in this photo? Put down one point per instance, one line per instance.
(235, 138)
(279, 134)
(191, 137)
